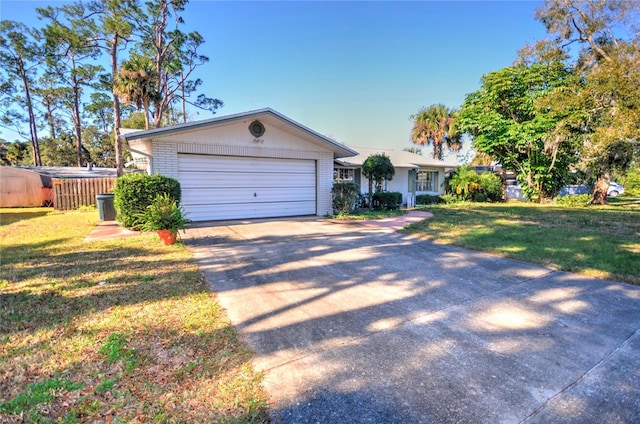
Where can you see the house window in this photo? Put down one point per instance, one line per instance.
(427, 181)
(343, 175)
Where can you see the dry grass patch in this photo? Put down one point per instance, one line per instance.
(113, 331)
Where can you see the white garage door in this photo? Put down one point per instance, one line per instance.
(231, 187)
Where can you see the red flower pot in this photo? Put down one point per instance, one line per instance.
(167, 236)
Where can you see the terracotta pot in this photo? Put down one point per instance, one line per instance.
(167, 237)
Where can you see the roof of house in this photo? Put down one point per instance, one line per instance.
(268, 115)
(399, 159)
(71, 171)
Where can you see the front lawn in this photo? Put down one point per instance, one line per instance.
(365, 214)
(602, 241)
(113, 331)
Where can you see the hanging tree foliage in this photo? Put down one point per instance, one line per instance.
(603, 103)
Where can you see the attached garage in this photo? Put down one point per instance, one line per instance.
(232, 187)
(258, 164)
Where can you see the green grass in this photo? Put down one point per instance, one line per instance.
(119, 331)
(598, 241)
(363, 214)
(37, 393)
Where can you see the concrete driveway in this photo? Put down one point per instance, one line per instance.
(357, 324)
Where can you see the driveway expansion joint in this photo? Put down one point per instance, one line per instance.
(582, 377)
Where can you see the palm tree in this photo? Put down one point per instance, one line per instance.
(413, 149)
(136, 84)
(436, 125)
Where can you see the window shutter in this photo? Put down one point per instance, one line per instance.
(412, 180)
(356, 176)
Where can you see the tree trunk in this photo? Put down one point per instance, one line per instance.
(184, 102)
(33, 128)
(161, 52)
(600, 189)
(146, 115)
(116, 107)
(77, 123)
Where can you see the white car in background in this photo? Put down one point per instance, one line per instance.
(614, 189)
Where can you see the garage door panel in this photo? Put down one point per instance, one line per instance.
(251, 210)
(229, 187)
(198, 163)
(231, 195)
(214, 180)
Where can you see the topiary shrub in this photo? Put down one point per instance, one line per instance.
(574, 200)
(427, 199)
(387, 200)
(344, 197)
(134, 192)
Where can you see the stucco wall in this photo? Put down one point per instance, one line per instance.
(400, 183)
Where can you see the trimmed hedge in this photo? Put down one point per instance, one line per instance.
(134, 192)
(387, 200)
(344, 197)
(427, 199)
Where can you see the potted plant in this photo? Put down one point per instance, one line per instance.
(166, 217)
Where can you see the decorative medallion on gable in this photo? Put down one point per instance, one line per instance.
(256, 128)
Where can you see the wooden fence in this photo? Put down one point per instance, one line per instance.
(75, 192)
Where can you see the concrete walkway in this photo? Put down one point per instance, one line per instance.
(354, 323)
(109, 230)
(392, 223)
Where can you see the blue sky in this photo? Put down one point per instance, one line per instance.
(354, 71)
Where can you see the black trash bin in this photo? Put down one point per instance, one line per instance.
(107, 211)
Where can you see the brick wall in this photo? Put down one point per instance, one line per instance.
(324, 172)
(165, 159)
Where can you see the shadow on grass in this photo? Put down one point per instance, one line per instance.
(66, 285)
(9, 215)
(602, 242)
(625, 201)
(61, 302)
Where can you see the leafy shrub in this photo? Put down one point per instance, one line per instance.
(344, 197)
(631, 181)
(427, 199)
(463, 182)
(491, 185)
(574, 200)
(387, 200)
(134, 192)
(164, 213)
(363, 201)
(467, 184)
(450, 199)
(479, 196)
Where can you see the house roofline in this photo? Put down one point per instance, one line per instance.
(345, 151)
